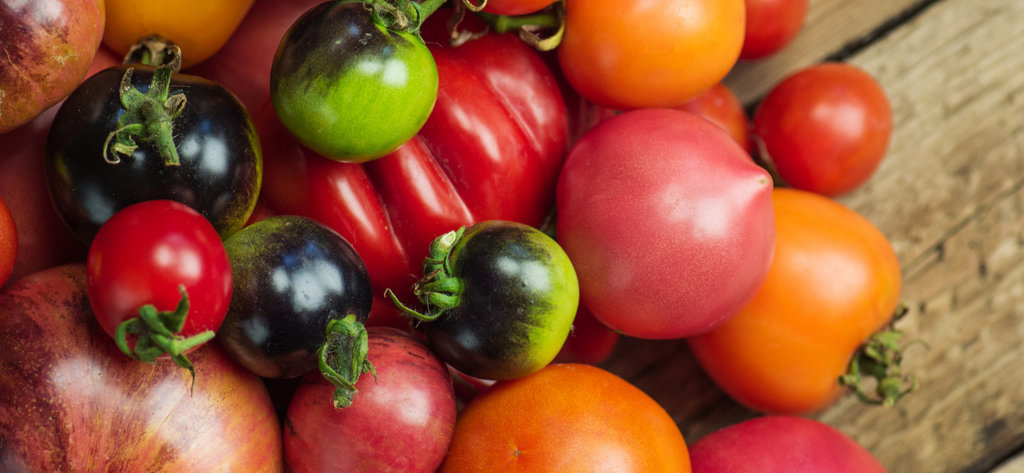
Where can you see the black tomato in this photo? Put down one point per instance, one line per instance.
(94, 169)
(500, 298)
(299, 298)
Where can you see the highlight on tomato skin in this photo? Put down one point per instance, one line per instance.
(771, 26)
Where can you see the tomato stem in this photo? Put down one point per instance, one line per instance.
(880, 358)
(438, 289)
(532, 25)
(158, 333)
(148, 118)
(343, 358)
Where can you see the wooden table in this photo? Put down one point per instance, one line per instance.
(950, 197)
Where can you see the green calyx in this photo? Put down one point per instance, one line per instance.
(343, 358)
(880, 358)
(542, 30)
(402, 15)
(439, 290)
(158, 333)
(148, 117)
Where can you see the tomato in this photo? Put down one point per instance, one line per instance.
(566, 418)
(668, 222)
(785, 351)
(825, 128)
(154, 253)
(589, 341)
(500, 298)
(209, 158)
(771, 26)
(48, 46)
(8, 243)
(292, 278)
(72, 404)
(199, 27)
(401, 421)
(781, 444)
(491, 150)
(349, 87)
(514, 7)
(627, 55)
(721, 106)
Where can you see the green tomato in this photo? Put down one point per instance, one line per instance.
(348, 88)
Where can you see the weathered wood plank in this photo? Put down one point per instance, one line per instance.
(950, 196)
(830, 25)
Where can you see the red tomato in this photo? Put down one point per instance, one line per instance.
(771, 25)
(589, 342)
(401, 420)
(785, 351)
(514, 7)
(141, 256)
(8, 243)
(781, 444)
(44, 241)
(491, 150)
(659, 53)
(668, 222)
(719, 105)
(825, 128)
(566, 418)
(73, 404)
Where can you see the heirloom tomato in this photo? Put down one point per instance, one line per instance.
(825, 128)
(48, 46)
(158, 253)
(491, 150)
(105, 150)
(771, 25)
(401, 421)
(199, 27)
(566, 418)
(70, 403)
(659, 53)
(668, 222)
(781, 444)
(500, 298)
(834, 281)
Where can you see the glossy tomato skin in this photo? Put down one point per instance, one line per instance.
(348, 88)
(825, 128)
(515, 7)
(781, 444)
(628, 55)
(491, 149)
(141, 256)
(518, 301)
(8, 243)
(784, 352)
(87, 401)
(402, 421)
(771, 25)
(48, 46)
(668, 223)
(292, 276)
(221, 160)
(199, 27)
(567, 418)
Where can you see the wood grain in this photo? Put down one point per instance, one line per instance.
(950, 196)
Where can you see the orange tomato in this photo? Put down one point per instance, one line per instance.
(8, 243)
(566, 418)
(655, 53)
(199, 27)
(719, 105)
(835, 280)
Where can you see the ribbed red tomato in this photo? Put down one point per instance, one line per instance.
(491, 150)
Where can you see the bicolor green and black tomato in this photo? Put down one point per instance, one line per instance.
(500, 296)
(296, 283)
(98, 161)
(349, 88)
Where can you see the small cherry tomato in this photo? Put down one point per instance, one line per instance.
(149, 256)
(771, 26)
(785, 351)
(566, 418)
(659, 53)
(825, 128)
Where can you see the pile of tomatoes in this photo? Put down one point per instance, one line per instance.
(387, 235)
